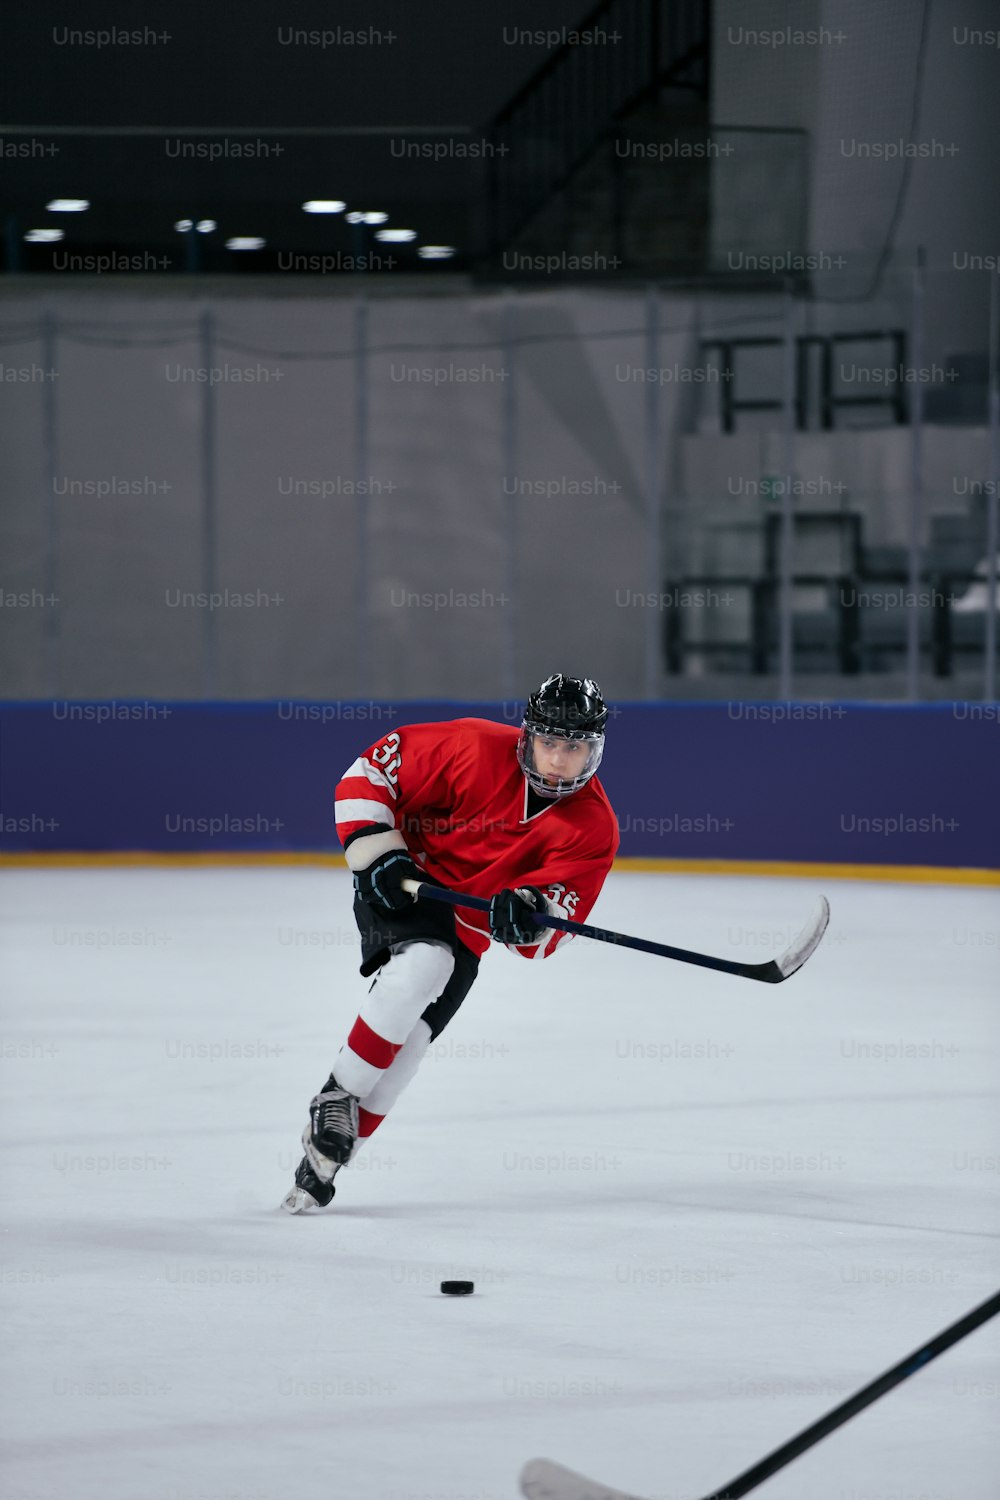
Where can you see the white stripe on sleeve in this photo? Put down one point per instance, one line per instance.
(363, 767)
(360, 810)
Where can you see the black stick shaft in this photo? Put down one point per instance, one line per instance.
(850, 1408)
(603, 935)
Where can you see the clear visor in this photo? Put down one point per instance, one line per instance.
(557, 764)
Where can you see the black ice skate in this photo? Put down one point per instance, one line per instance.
(307, 1191)
(329, 1137)
(328, 1141)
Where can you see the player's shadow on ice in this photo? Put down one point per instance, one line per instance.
(374, 1211)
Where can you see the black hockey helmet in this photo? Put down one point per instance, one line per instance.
(570, 706)
(563, 708)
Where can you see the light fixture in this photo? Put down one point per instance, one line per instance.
(205, 226)
(436, 252)
(67, 205)
(395, 236)
(378, 217)
(43, 236)
(183, 226)
(354, 217)
(323, 206)
(245, 242)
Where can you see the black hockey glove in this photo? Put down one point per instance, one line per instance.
(510, 915)
(381, 884)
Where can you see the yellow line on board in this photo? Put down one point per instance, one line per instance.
(111, 858)
(72, 858)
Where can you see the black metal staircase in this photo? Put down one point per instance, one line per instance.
(636, 53)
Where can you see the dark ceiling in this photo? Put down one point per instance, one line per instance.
(201, 118)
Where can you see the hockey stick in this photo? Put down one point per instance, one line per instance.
(543, 1480)
(772, 972)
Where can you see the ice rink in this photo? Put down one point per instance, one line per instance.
(699, 1212)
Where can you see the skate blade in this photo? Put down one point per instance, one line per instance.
(298, 1201)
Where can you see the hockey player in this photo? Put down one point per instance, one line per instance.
(487, 810)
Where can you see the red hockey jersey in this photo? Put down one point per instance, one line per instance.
(459, 798)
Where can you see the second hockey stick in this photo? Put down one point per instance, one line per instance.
(773, 972)
(543, 1480)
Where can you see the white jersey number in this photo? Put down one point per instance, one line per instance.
(388, 757)
(566, 900)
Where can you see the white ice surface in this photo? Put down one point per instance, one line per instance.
(697, 1217)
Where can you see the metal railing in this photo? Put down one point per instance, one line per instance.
(827, 398)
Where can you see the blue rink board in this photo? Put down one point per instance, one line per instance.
(841, 783)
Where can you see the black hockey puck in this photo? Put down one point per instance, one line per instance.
(457, 1288)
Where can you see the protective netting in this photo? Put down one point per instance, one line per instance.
(331, 497)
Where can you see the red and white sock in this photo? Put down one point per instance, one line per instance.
(397, 1075)
(414, 976)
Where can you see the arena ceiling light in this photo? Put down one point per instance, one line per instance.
(395, 236)
(183, 226)
(245, 242)
(323, 206)
(43, 236)
(436, 252)
(205, 226)
(67, 205)
(377, 217)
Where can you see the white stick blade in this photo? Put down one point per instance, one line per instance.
(807, 941)
(541, 1479)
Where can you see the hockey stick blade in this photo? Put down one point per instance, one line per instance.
(773, 972)
(806, 943)
(541, 1479)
